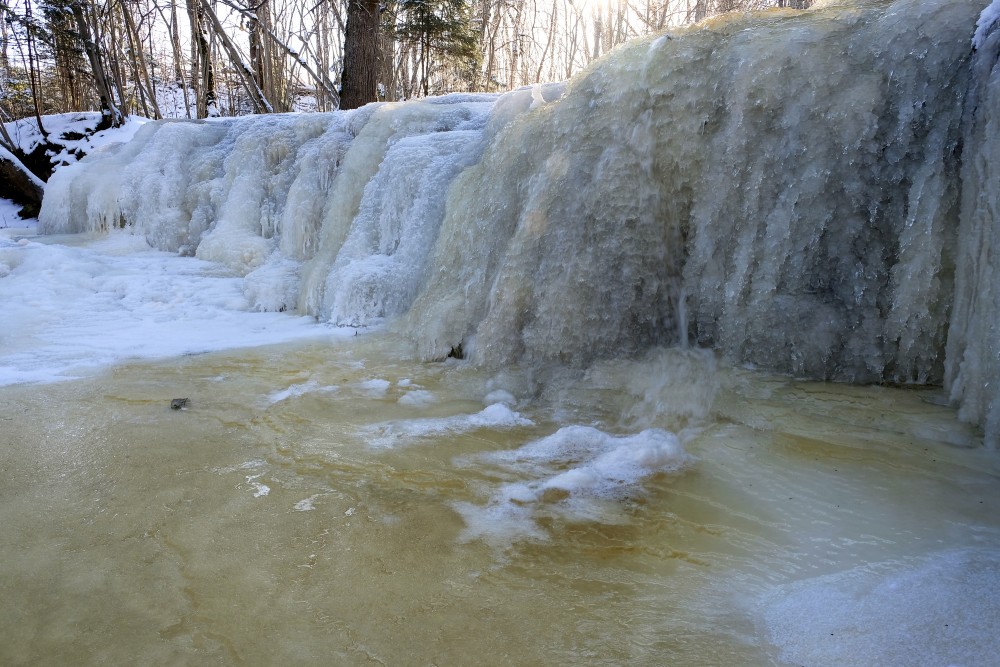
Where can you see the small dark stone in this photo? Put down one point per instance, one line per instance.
(178, 403)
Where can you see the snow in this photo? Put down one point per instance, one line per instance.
(94, 302)
(10, 157)
(25, 134)
(10, 219)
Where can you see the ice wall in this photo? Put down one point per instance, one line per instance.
(796, 174)
(810, 192)
(972, 368)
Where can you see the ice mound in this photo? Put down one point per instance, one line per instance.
(374, 387)
(274, 286)
(417, 397)
(573, 473)
(499, 396)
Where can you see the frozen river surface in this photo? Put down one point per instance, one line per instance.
(325, 500)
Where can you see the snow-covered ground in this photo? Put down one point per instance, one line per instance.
(72, 305)
(9, 217)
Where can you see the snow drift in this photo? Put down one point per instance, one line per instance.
(812, 192)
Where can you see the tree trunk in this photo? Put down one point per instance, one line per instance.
(31, 73)
(359, 82)
(110, 115)
(202, 74)
(700, 10)
(598, 31)
(113, 50)
(553, 24)
(387, 66)
(515, 46)
(4, 42)
(260, 57)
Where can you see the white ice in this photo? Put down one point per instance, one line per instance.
(942, 610)
(94, 302)
(986, 23)
(417, 397)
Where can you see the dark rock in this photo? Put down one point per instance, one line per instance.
(178, 403)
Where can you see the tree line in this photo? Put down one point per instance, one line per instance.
(202, 58)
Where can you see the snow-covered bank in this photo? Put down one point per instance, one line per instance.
(69, 136)
(70, 309)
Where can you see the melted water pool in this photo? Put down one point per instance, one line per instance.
(318, 506)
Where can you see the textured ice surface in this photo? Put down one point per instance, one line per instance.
(942, 611)
(813, 193)
(986, 24)
(972, 368)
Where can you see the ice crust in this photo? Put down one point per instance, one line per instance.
(69, 310)
(812, 193)
(941, 611)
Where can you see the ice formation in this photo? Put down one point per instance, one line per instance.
(569, 473)
(814, 193)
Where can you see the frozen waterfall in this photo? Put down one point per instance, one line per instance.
(814, 193)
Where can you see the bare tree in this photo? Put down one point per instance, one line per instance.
(263, 55)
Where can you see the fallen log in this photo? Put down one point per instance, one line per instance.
(17, 183)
